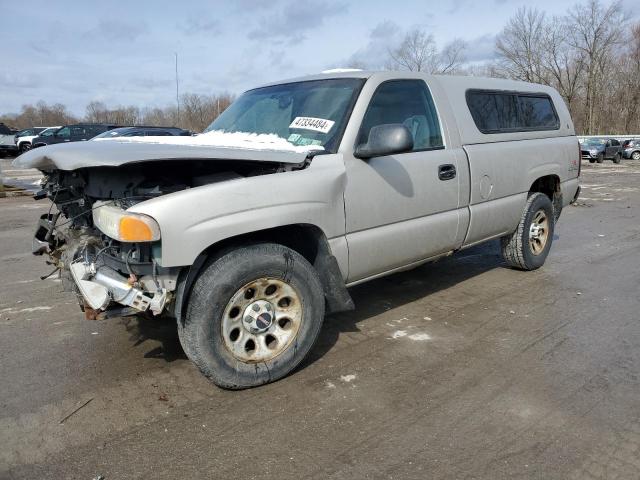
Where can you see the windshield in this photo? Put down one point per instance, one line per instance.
(593, 142)
(303, 113)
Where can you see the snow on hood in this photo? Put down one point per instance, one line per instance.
(219, 138)
(114, 152)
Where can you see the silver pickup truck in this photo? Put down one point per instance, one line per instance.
(250, 233)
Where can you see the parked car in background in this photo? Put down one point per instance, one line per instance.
(249, 233)
(142, 131)
(7, 143)
(601, 149)
(73, 133)
(631, 149)
(24, 137)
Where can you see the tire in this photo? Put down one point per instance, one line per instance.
(239, 301)
(600, 158)
(591, 160)
(635, 156)
(617, 158)
(519, 249)
(24, 147)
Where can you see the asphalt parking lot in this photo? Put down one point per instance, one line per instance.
(458, 369)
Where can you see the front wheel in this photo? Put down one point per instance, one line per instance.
(25, 147)
(253, 315)
(527, 248)
(600, 158)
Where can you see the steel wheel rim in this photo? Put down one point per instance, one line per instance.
(538, 232)
(248, 332)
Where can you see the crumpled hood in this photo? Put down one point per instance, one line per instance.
(71, 156)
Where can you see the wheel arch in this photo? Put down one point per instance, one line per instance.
(550, 186)
(306, 239)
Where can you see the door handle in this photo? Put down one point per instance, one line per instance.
(446, 172)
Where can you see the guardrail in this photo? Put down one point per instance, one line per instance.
(617, 137)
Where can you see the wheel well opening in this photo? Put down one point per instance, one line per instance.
(304, 239)
(549, 185)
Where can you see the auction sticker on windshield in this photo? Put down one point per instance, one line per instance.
(310, 123)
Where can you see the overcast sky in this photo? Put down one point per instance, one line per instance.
(123, 52)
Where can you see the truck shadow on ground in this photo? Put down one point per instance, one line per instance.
(371, 299)
(378, 296)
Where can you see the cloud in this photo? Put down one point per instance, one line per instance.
(374, 54)
(481, 49)
(19, 81)
(296, 18)
(245, 6)
(455, 6)
(116, 31)
(195, 24)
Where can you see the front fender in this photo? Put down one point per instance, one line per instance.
(191, 220)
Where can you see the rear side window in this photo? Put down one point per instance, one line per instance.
(498, 112)
(537, 112)
(407, 102)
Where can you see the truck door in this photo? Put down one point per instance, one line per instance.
(402, 208)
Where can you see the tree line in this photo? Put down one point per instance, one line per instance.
(196, 112)
(591, 55)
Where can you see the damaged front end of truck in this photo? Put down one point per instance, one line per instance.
(106, 255)
(110, 257)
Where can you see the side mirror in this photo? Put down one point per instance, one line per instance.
(385, 139)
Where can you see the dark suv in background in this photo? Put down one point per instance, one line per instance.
(143, 131)
(73, 133)
(600, 149)
(631, 149)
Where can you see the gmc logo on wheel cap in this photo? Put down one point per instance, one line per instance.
(263, 320)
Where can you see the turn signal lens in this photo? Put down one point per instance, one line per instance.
(134, 229)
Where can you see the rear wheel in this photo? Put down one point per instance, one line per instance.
(527, 248)
(635, 155)
(253, 315)
(617, 158)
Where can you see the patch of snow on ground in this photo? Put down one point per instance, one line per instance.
(348, 378)
(218, 138)
(420, 337)
(399, 333)
(34, 309)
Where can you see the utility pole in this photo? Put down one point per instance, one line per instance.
(177, 90)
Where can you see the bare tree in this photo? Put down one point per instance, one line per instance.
(563, 64)
(198, 111)
(595, 32)
(418, 52)
(520, 46)
(452, 56)
(39, 115)
(626, 97)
